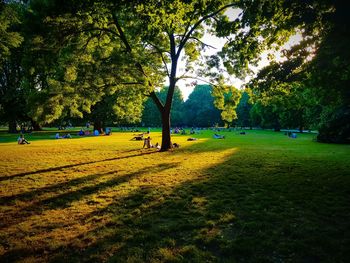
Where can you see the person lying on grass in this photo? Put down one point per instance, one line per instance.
(138, 137)
(218, 136)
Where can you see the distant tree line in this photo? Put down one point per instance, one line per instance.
(198, 110)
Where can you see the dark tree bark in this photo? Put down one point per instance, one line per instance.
(166, 137)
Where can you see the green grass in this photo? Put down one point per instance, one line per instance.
(259, 197)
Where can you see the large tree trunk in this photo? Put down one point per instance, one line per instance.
(12, 126)
(166, 137)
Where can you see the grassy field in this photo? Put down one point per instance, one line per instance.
(259, 197)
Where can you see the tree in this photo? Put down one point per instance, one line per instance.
(266, 116)
(226, 99)
(114, 33)
(173, 27)
(78, 63)
(12, 96)
(317, 65)
(283, 96)
(330, 75)
(199, 107)
(243, 110)
(114, 109)
(151, 115)
(10, 36)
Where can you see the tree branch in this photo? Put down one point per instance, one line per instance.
(157, 101)
(200, 41)
(172, 78)
(99, 29)
(189, 33)
(160, 52)
(197, 78)
(122, 36)
(130, 83)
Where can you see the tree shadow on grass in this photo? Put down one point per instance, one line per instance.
(30, 195)
(234, 213)
(231, 216)
(63, 200)
(59, 168)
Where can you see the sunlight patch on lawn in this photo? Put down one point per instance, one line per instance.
(57, 192)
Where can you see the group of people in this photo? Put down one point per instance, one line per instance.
(65, 136)
(108, 131)
(182, 131)
(147, 143)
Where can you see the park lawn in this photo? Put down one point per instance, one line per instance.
(259, 197)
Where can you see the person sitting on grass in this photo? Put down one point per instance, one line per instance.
(218, 136)
(81, 132)
(147, 143)
(108, 131)
(22, 140)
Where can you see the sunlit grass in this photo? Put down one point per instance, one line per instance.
(259, 197)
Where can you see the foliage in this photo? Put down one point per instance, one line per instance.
(243, 110)
(312, 76)
(226, 99)
(199, 108)
(151, 115)
(10, 36)
(12, 95)
(116, 108)
(118, 43)
(91, 63)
